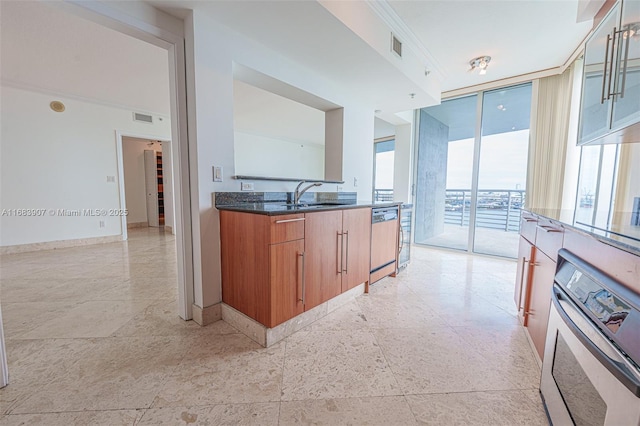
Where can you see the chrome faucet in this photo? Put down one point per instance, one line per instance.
(298, 193)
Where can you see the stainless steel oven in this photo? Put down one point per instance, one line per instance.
(591, 372)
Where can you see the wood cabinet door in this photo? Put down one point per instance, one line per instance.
(323, 270)
(244, 240)
(522, 275)
(537, 308)
(356, 254)
(286, 264)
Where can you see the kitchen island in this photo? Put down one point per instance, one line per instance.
(286, 265)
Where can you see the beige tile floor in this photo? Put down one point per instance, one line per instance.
(93, 338)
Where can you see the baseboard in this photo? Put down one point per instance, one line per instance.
(208, 315)
(168, 229)
(52, 245)
(268, 336)
(137, 225)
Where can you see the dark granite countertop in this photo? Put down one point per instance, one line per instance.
(279, 203)
(273, 209)
(619, 233)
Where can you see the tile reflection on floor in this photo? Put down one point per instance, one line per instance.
(93, 337)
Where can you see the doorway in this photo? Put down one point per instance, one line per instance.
(472, 155)
(147, 193)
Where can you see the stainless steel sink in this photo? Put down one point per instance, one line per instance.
(313, 205)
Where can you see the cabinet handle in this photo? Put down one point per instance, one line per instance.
(290, 220)
(621, 39)
(346, 262)
(339, 252)
(302, 255)
(524, 262)
(604, 70)
(548, 228)
(529, 219)
(613, 43)
(626, 59)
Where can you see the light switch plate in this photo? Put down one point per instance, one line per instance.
(246, 186)
(217, 173)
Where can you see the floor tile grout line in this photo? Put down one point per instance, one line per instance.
(284, 362)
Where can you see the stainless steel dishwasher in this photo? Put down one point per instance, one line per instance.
(384, 241)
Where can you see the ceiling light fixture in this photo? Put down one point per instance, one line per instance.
(481, 63)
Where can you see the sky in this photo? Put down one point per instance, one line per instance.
(503, 162)
(384, 170)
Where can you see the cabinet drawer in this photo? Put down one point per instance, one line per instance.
(287, 228)
(528, 224)
(549, 237)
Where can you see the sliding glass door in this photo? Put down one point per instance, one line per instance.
(502, 170)
(444, 173)
(471, 171)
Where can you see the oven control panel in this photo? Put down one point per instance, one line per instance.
(609, 309)
(610, 305)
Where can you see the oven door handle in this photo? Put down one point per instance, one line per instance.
(616, 367)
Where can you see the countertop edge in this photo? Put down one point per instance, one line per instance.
(605, 240)
(246, 209)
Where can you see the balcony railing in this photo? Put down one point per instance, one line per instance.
(496, 208)
(382, 195)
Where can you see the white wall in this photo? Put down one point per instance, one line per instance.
(383, 129)
(264, 156)
(403, 163)
(211, 51)
(57, 161)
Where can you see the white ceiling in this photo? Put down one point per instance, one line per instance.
(521, 36)
(47, 48)
(307, 33)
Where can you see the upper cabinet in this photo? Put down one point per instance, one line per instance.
(610, 105)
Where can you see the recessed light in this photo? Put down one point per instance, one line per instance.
(502, 107)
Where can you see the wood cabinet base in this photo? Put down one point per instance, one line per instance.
(266, 336)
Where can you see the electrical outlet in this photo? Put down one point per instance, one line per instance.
(246, 186)
(217, 173)
(355, 182)
(101, 224)
(339, 188)
(111, 178)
